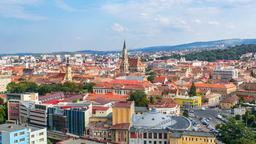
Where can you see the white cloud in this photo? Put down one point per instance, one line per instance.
(118, 27)
(16, 9)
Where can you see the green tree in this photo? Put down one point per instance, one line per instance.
(185, 113)
(89, 87)
(139, 97)
(151, 76)
(2, 114)
(192, 90)
(152, 99)
(235, 132)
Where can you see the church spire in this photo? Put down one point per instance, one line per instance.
(124, 47)
(125, 64)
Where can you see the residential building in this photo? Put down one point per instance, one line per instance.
(223, 89)
(229, 102)
(17, 134)
(122, 113)
(13, 134)
(213, 99)
(191, 137)
(166, 106)
(122, 87)
(189, 102)
(226, 74)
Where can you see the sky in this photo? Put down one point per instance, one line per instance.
(72, 25)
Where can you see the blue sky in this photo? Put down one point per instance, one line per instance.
(71, 25)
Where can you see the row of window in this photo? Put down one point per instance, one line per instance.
(155, 135)
(155, 142)
(198, 139)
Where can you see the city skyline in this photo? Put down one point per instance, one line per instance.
(50, 26)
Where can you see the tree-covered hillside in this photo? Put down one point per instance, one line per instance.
(232, 53)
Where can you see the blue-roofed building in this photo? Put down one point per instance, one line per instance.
(13, 134)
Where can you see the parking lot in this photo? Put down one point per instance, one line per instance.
(205, 120)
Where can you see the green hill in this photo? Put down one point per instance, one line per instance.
(231, 53)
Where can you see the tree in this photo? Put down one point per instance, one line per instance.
(192, 90)
(235, 132)
(151, 76)
(2, 114)
(152, 99)
(185, 113)
(139, 97)
(89, 87)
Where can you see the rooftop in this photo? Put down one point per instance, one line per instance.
(11, 127)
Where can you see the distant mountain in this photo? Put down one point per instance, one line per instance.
(199, 45)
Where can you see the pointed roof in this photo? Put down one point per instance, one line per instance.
(124, 47)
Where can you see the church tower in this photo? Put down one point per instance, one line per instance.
(68, 75)
(124, 68)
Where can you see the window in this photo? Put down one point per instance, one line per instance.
(154, 142)
(41, 139)
(32, 136)
(145, 142)
(145, 135)
(22, 133)
(155, 135)
(22, 140)
(16, 134)
(16, 141)
(41, 133)
(165, 135)
(160, 136)
(150, 135)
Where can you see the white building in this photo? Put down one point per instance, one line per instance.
(221, 73)
(18, 134)
(37, 135)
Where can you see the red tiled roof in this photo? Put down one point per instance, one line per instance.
(123, 104)
(108, 96)
(101, 108)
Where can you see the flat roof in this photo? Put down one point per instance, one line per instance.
(11, 127)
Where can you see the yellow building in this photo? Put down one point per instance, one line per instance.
(186, 101)
(122, 113)
(191, 137)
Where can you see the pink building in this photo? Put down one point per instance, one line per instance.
(13, 110)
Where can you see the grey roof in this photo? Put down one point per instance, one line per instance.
(178, 134)
(155, 120)
(141, 109)
(15, 127)
(11, 127)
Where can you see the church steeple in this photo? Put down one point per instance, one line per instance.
(68, 75)
(125, 63)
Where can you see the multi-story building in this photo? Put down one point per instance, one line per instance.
(13, 134)
(188, 102)
(23, 96)
(17, 134)
(122, 87)
(33, 113)
(191, 137)
(223, 89)
(153, 127)
(166, 106)
(122, 113)
(225, 74)
(70, 118)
